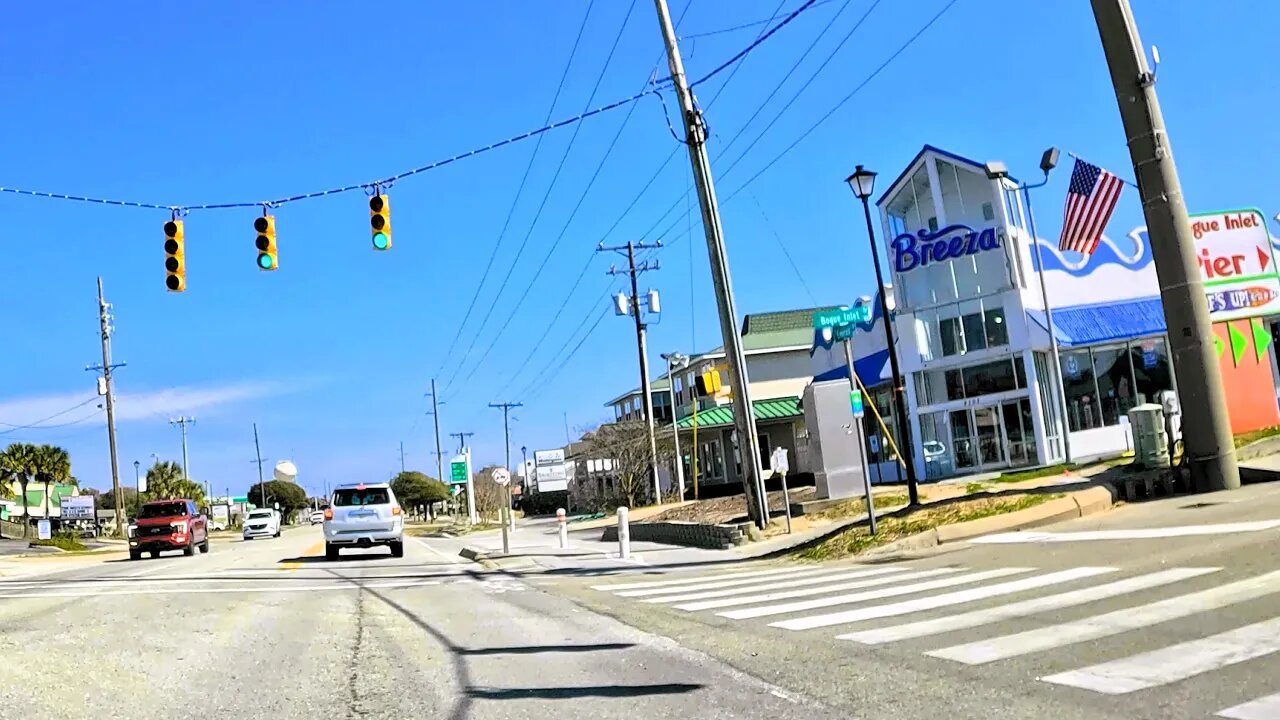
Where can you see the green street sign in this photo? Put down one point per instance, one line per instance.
(841, 316)
(842, 332)
(855, 402)
(458, 472)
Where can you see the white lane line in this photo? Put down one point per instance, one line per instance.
(1176, 662)
(1128, 534)
(221, 590)
(986, 616)
(447, 558)
(788, 582)
(803, 605)
(1266, 708)
(1112, 623)
(718, 584)
(810, 592)
(932, 602)
(702, 579)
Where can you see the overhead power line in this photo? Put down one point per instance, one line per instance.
(743, 53)
(484, 275)
(40, 424)
(744, 26)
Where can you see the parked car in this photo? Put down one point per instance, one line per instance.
(363, 515)
(168, 525)
(262, 523)
(317, 517)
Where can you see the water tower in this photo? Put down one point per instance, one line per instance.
(286, 471)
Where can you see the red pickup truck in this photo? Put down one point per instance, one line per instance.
(168, 525)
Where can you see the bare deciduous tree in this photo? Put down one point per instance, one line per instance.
(626, 445)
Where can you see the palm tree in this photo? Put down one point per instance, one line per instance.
(19, 461)
(164, 480)
(53, 465)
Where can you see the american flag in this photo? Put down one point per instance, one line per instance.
(1091, 199)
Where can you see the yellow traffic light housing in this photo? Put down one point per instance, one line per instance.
(708, 383)
(175, 260)
(380, 221)
(266, 227)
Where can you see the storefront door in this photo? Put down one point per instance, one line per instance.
(991, 448)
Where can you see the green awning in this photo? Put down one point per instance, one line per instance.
(787, 408)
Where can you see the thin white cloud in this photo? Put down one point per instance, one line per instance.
(147, 404)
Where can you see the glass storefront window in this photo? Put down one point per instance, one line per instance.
(955, 384)
(1003, 375)
(975, 336)
(1080, 390)
(997, 330)
(961, 328)
(1152, 373)
(992, 377)
(1115, 383)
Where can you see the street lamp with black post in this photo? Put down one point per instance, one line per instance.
(863, 182)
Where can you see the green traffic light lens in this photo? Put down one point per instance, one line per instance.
(265, 261)
(381, 241)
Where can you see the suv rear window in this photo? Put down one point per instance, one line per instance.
(173, 509)
(346, 497)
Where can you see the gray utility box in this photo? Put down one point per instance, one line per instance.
(1150, 446)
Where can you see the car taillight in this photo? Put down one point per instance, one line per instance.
(328, 514)
(395, 509)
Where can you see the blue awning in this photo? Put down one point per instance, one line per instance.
(869, 369)
(1090, 324)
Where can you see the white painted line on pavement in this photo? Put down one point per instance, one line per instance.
(932, 602)
(447, 558)
(1176, 662)
(221, 590)
(1112, 623)
(701, 579)
(1127, 534)
(976, 618)
(811, 591)
(716, 584)
(1266, 708)
(870, 594)
(771, 584)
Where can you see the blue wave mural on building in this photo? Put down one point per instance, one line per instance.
(1135, 255)
(824, 339)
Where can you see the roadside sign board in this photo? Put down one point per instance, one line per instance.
(778, 460)
(841, 316)
(855, 403)
(550, 472)
(77, 507)
(44, 530)
(1237, 264)
(458, 471)
(502, 476)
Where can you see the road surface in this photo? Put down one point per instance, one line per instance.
(269, 629)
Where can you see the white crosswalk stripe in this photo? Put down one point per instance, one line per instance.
(1267, 708)
(1112, 623)
(986, 616)
(811, 591)
(1176, 662)
(861, 595)
(869, 594)
(936, 601)
(790, 581)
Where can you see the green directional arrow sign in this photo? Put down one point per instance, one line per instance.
(1261, 338)
(458, 472)
(1238, 343)
(1217, 346)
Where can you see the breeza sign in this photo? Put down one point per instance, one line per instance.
(913, 250)
(1237, 264)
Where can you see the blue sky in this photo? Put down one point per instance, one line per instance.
(331, 355)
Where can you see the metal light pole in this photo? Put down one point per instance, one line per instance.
(863, 182)
(997, 171)
(675, 361)
(524, 465)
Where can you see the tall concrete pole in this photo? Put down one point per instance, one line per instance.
(1206, 430)
(109, 391)
(695, 139)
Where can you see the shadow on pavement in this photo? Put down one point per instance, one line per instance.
(610, 691)
(308, 559)
(531, 649)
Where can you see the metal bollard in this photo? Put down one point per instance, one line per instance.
(624, 535)
(564, 528)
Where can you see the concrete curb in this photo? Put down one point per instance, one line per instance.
(1259, 448)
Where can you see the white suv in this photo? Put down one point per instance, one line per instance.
(264, 522)
(362, 516)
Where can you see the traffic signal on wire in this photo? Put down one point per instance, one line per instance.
(175, 260)
(266, 227)
(380, 221)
